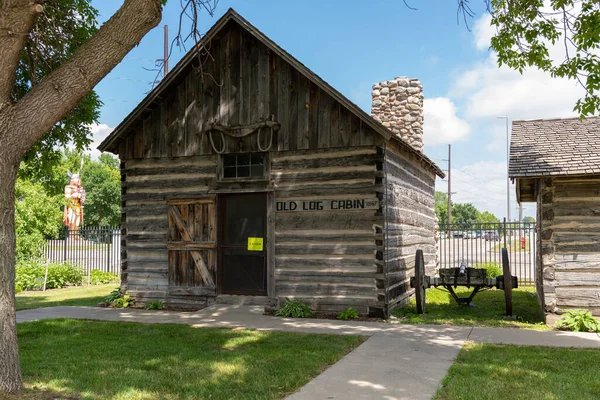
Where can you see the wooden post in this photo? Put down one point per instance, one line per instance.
(45, 277)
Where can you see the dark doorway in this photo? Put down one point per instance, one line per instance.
(242, 263)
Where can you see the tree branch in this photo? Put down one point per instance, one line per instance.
(58, 93)
(17, 18)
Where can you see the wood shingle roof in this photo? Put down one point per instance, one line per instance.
(554, 147)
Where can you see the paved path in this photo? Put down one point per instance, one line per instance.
(396, 362)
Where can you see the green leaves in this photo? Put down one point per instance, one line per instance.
(528, 29)
(37, 214)
(102, 181)
(579, 321)
(294, 309)
(62, 28)
(348, 313)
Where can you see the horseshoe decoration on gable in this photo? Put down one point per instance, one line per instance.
(240, 131)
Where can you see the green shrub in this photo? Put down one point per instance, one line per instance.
(113, 296)
(493, 269)
(29, 275)
(348, 313)
(98, 277)
(61, 275)
(294, 309)
(124, 302)
(155, 305)
(579, 321)
(29, 246)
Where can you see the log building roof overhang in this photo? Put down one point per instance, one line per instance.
(555, 147)
(110, 144)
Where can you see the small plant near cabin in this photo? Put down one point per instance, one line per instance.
(294, 309)
(123, 302)
(113, 296)
(579, 321)
(348, 313)
(155, 305)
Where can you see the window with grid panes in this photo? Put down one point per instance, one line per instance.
(251, 165)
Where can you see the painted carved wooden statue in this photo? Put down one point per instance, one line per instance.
(75, 195)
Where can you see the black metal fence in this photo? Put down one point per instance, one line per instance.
(478, 244)
(89, 247)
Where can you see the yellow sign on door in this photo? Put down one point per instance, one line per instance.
(255, 244)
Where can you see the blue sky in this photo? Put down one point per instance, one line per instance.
(352, 44)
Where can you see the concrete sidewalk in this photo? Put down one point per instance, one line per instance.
(396, 362)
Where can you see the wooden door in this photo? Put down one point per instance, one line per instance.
(242, 266)
(192, 246)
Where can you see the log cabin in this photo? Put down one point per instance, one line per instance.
(556, 164)
(248, 179)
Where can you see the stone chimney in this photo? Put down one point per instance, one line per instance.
(398, 105)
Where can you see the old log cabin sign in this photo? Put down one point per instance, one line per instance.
(327, 205)
(249, 175)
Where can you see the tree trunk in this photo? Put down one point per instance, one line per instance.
(23, 123)
(10, 370)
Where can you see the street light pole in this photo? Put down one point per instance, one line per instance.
(507, 178)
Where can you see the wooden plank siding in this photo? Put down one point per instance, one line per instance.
(244, 83)
(409, 223)
(148, 184)
(569, 209)
(328, 258)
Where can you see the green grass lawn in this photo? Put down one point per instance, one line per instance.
(122, 360)
(491, 371)
(72, 296)
(442, 309)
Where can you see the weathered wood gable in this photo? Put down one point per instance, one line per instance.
(242, 82)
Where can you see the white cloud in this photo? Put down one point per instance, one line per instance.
(484, 31)
(442, 125)
(99, 132)
(490, 91)
(486, 91)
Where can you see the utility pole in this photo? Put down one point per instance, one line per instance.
(449, 192)
(520, 213)
(507, 178)
(507, 162)
(166, 50)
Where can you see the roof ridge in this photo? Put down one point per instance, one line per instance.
(556, 119)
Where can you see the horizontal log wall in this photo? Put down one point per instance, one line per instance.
(148, 184)
(409, 222)
(241, 84)
(331, 259)
(570, 243)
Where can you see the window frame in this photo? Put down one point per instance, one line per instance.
(265, 165)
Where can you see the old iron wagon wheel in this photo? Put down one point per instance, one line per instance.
(507, 278)
(420, 282)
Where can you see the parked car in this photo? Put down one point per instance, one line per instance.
(478, 234)
(492, 236)
(458, 234)
(443, 235)
(469, 235)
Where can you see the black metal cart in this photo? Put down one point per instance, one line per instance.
(450, 278)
